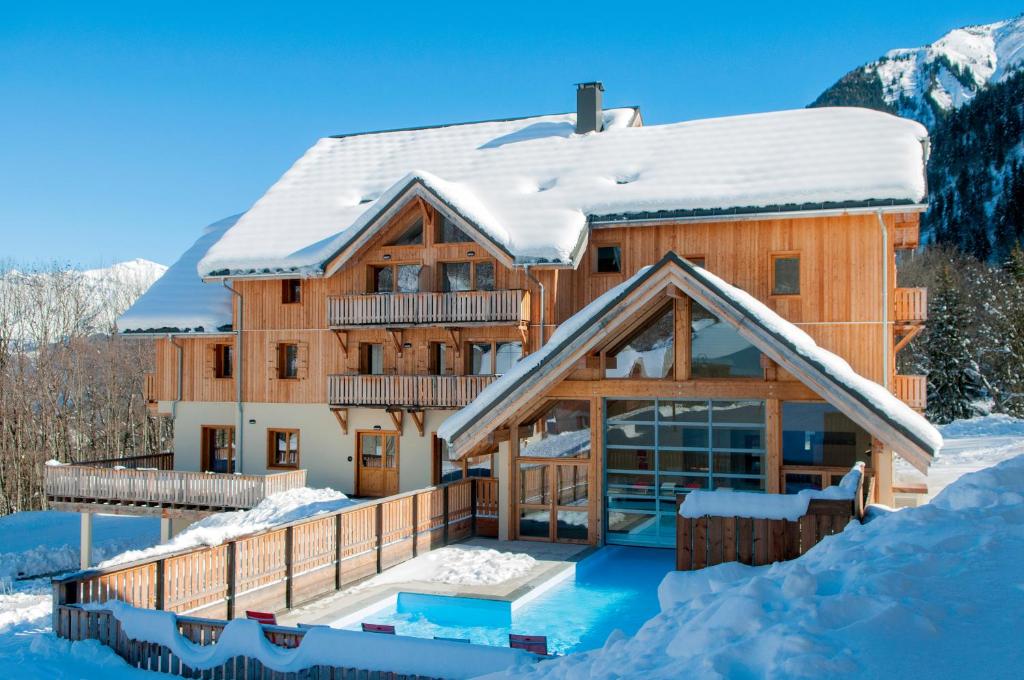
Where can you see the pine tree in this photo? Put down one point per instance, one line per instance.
(953, 374)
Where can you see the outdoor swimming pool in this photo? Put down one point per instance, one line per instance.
(616, 587)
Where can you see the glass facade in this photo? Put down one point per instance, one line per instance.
(717, 350)
(656, 449)
(649, 353)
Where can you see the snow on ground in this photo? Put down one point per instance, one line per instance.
(280, 508)
(935, 591)
(465, 565)
(968, 445)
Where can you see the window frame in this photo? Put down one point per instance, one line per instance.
(291, 291)
(272, 450)
(772, 284)
(703, 260)
(393, 266)
(468, 355)
(282, 361)
(221, 362)
(439, 231)
(462, 464)
(474, 282)
(597, 259)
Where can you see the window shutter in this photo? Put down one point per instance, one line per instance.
(303, 371)
(210, 361)
(271, 360)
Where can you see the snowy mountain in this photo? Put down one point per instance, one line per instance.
(924, 83)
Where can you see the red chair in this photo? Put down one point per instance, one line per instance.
(265, 618)
(378, 628)
(538, 644)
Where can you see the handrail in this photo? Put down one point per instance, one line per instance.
(471, 306)
(162, 459)
(439, 391)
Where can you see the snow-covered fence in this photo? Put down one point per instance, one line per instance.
(278, 568)
(193, 647)
(765, 528)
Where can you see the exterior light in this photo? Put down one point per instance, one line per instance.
(387, 257)
(470, 253)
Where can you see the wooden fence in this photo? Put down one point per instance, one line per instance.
(74, 623)
(289, 564)
(398, 309)
(156, 461)
(85, 484)
(439, 391)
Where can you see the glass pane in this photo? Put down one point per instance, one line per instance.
(739, 484)
(376, 353)
(390, 460)
(682, 483)
(508, 354)
(796, 483)
(648, 354)
(683, 411)
(564, 432)
(632, 527)
(371, 451)
(535, 523)
(409, 278)
(450, 233)
(384, 280)
(572, 525)
(818, 434)
(677, 437)
(534, 484)
(573, 485)
(480, 467)
(448, 471)
(630, 409)
(739, 438)
(609, 259)
(738, 463)
(746, 412)
(480, 358)
(455, 276)
(412, 236)
(787, 276)
(630, 459)
(485, 276)
(694, 462)
(291, 353)
(631, 490)
(718, 351)
(630, 434)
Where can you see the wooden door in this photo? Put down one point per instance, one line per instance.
(377, 464)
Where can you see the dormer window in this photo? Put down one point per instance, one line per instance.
(451, 233)
(291, 291)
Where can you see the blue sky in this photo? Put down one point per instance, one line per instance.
(126, 127)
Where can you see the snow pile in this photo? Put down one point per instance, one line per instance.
(729, 503)
(530, 184)
(465, 565)
(320, 646)
(280, 508)
(930, 592)
(47, 542)
(179, 300)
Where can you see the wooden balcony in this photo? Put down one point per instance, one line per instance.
(912, 390)
(87, 488)
(417, 391)
(466, 308)
(906, 236)
(910, 305)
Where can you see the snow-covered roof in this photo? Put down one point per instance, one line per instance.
(866, 402)
(179, 301)
(531, 184)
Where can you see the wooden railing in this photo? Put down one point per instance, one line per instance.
(910, 305)
(485, 512)
(408, 309)
(278, 568)
(435, 391)
(906, 236)
(707, 541)
(157, 461)
(912, 390)
(73, 485)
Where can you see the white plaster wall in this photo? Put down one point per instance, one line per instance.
(189, 418)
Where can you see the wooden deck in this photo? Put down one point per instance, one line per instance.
(91, 488)
(426, 391)
(394, 310)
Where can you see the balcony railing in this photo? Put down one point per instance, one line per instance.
(428, 391)
(69, 487)
(910, 305)
(912, 390)
(906, 236)
(473, 307)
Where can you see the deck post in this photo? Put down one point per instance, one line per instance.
(289, 562)
(165, 528)
(85, 540)
(231, 567)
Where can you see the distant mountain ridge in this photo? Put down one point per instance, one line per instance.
(968, 89)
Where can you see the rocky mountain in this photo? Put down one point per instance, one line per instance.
(968, 89)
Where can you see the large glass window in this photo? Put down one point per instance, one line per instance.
(562, 431)
(413, 236)
(817, 434)
(657, 449)
(456, 276)
(485, 276)
(451, 233)
(648, 353)
(492, 358)
(717, 350)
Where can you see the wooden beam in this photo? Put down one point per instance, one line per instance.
(342, 337)
(395, 336)
(397, 416)
(417, 419)
(341, 414)
(455, 337)
(682, 337)
(524, 334)
(912, 332)
(773, 445)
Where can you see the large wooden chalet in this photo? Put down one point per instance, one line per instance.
(389, 279)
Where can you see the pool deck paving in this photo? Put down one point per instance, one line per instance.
(554, 562)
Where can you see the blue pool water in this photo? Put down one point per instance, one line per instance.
(616, 587)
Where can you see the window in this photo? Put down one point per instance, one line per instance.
(717, 350)
(648, 353)
(562, 431)
(400, 278)
(218, 448)
(697, 261)
(282, 448)
(485, 276)
(413, 236)
(785, 274)
(438, 360)
(492, 358)
(223, 361)
(609, 260)
(450, 232)
(291, 291)
(456, 276)
(371, 359)
(818, 434)
(287, 361)
(447, 470)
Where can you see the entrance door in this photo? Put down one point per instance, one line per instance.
(377, 464)
(554, 501)
(218, 448)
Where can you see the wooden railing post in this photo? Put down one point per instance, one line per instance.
(289, 561)
(231, 578)
(445, 496)
(337, 551)
(472, 506)
(158, 595)
(415, 522)
(379, 513)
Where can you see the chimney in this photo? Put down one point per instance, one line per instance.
(588, 107)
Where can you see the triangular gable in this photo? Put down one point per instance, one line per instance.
(867, 403)
(452, 201)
